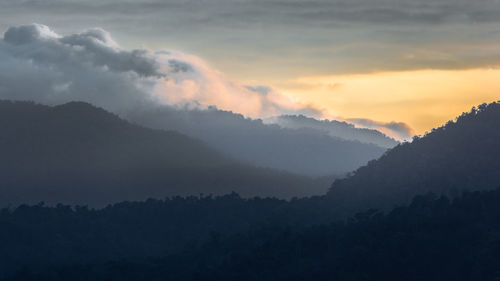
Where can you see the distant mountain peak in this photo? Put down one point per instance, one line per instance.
(81, 107)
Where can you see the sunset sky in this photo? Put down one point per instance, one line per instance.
(418, 62)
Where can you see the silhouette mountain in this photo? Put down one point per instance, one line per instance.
(462, 155)
(77, 153)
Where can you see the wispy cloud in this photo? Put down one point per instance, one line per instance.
(290, 11)
(397, 130)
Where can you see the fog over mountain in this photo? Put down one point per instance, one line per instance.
(174, 91)
(301, 150)
(334, 128)
(79, 154)
(90, 66)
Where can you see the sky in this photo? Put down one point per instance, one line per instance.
(416, 62)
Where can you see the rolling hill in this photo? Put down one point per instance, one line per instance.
(79, 154)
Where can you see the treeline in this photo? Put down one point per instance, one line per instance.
(39, 236)
(434, 238)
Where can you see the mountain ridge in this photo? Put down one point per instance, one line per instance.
(334, 128)
(304, 151)
(80, 154)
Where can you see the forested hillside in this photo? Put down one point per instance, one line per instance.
(434, 238)
(462, 155)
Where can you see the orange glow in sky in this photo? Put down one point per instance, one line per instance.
(423, 99)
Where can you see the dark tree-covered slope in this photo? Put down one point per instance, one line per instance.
(77, 153)
(434, 238)
(38, 236)
(462, 155)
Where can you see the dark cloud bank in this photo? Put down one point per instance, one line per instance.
(324, 37)
(288, 11)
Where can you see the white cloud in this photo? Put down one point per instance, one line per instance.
(38, 64)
